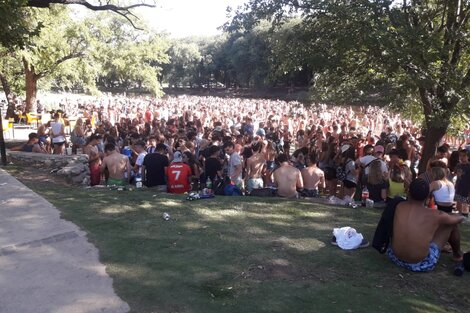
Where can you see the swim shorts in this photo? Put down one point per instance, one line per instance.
(116, 182)
(254, 183)
(425, 265)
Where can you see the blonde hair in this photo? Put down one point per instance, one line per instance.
(375, 176)
(397, 175)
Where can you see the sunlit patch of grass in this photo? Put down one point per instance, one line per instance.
(121, 209)
(235, 254)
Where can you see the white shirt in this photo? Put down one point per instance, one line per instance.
(235, 160)
(140, 160)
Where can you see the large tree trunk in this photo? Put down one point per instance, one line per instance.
(5, 85)
(433, 137)
(31, 85)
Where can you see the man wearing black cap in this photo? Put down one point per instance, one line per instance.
(419, 233)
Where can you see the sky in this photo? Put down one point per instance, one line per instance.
(182, 18)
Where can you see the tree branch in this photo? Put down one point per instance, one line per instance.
(101, 7)
(124, 11)
(60, 61)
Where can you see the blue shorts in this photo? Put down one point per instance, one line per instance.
(425, 265)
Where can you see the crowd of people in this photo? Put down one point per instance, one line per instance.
(259, 147)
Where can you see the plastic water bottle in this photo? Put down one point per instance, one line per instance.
(364, 196)
(166, 216)
(138, 181)
(209, 183)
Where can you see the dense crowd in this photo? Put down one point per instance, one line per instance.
(261, 147)
(251, 144)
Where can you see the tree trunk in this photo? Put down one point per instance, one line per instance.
(5, 85)
(433, 137)
(31, 79)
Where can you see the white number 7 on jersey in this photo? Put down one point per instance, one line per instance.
(177, 174)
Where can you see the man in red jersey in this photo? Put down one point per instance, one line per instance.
(178, 174)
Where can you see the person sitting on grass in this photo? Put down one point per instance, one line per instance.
(442, 190)
(287, 178)
(377, 184)
(31, 146)
(419, 233)
(178, 175)
(313, 178)
(117, 165)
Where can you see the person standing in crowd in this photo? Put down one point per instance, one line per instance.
(462, 190)
(94, 159)
(348, 157)
(234, 165)
(58, 134)
(78, 135)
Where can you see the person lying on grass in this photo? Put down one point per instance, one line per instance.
(31, 146)
(419, 233)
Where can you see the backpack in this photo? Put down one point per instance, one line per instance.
(341, 173)
(384, 231)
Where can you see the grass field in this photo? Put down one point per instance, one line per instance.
(233, 254)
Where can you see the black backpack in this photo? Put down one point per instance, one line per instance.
(341, 173)
(384, 230)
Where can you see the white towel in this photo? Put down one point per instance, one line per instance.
(347, 238)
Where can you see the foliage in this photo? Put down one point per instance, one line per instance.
(75, 54)
(129, 58)
(15, 26)
(184, 60)
(389, 51)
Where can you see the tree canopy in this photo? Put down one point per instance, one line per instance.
(399, 53)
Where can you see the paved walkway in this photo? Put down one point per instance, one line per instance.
(46, 263)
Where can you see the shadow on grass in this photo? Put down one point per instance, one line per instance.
(234, 254)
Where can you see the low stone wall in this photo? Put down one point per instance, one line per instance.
(74, 167)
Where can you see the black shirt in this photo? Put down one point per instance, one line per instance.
(212, 166)
(375, 191)
(155, 164)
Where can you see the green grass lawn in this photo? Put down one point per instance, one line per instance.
(234, 254)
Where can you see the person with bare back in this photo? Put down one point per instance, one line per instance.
(117, 165)
(419, 233)
(313, 178)
(287, 178)
(256, 167)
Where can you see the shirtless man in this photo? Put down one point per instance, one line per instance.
(287, 178)
(94, 159)
(419, 233)
(255, 167)
(313, 178)
(117, 165)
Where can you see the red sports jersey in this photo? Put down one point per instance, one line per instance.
(178, 174)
